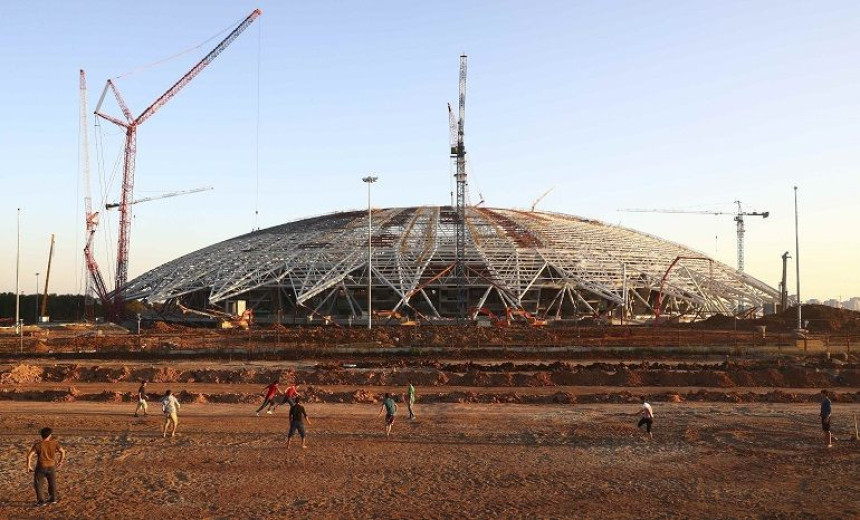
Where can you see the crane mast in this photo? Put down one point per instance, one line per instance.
(459, 153)
(130, 125)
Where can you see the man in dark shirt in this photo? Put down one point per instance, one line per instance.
(298, 417)
(826, 411)
(390, 409)
(141, 399)
(49, 458)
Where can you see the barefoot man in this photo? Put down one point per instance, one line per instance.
(49, 458)
(298, 418)
(390, 409)
(170, 407)
(647, 417)
(826, 411)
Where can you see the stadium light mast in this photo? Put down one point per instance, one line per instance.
(370, 179)
(797, 261)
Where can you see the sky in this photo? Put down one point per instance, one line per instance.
(613, 105)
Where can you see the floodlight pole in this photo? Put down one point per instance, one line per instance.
(369, 180)
(797, 261)
(17, 275)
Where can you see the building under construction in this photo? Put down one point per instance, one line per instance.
(519, 265)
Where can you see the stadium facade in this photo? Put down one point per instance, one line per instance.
(552, 265)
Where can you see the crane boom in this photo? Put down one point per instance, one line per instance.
(47, 278)
(162, 196)
(738, 218)
(115, 308)
(195, 70)
(535, 203)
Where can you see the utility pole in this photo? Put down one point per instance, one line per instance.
(797, 261)
(369, 180)
(37, 299)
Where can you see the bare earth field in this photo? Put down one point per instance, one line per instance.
(707, 460)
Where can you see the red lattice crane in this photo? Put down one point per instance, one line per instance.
(114, 307)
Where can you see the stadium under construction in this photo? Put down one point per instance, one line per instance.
(530, 266)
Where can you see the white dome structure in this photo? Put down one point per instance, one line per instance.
(552, 265)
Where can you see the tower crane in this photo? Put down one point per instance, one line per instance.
(738, 218)
(458, 153)
(113, 205)
(130, 124)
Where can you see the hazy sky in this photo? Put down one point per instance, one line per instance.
(683, 105)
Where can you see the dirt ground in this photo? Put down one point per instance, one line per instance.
(707, 460)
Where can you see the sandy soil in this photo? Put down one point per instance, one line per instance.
(707, 460)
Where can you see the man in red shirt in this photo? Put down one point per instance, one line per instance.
(290, 396)
(271, 391)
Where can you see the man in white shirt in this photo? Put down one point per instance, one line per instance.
(647, 417)
(170, 407)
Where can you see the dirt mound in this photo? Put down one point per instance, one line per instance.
(21, 375)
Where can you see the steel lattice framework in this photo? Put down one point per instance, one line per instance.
(550, 264)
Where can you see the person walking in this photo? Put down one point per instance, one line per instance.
(290, 396)
(647, 419)
(390, 409)
(269, 400)
(298, 418)
(141, 399)
(410, 401)
(49, 458)
(826, 412)
(170, 407)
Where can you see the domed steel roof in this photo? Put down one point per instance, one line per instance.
(548, 263)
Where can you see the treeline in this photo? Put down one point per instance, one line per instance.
(61, 307)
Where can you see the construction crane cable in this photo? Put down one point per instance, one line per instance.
(257, 151)
(156, 63)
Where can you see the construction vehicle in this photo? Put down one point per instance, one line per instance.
(114, 303)
(225, 319)
(395, 315)
(512, 315)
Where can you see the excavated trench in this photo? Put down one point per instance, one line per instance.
(505, 382)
